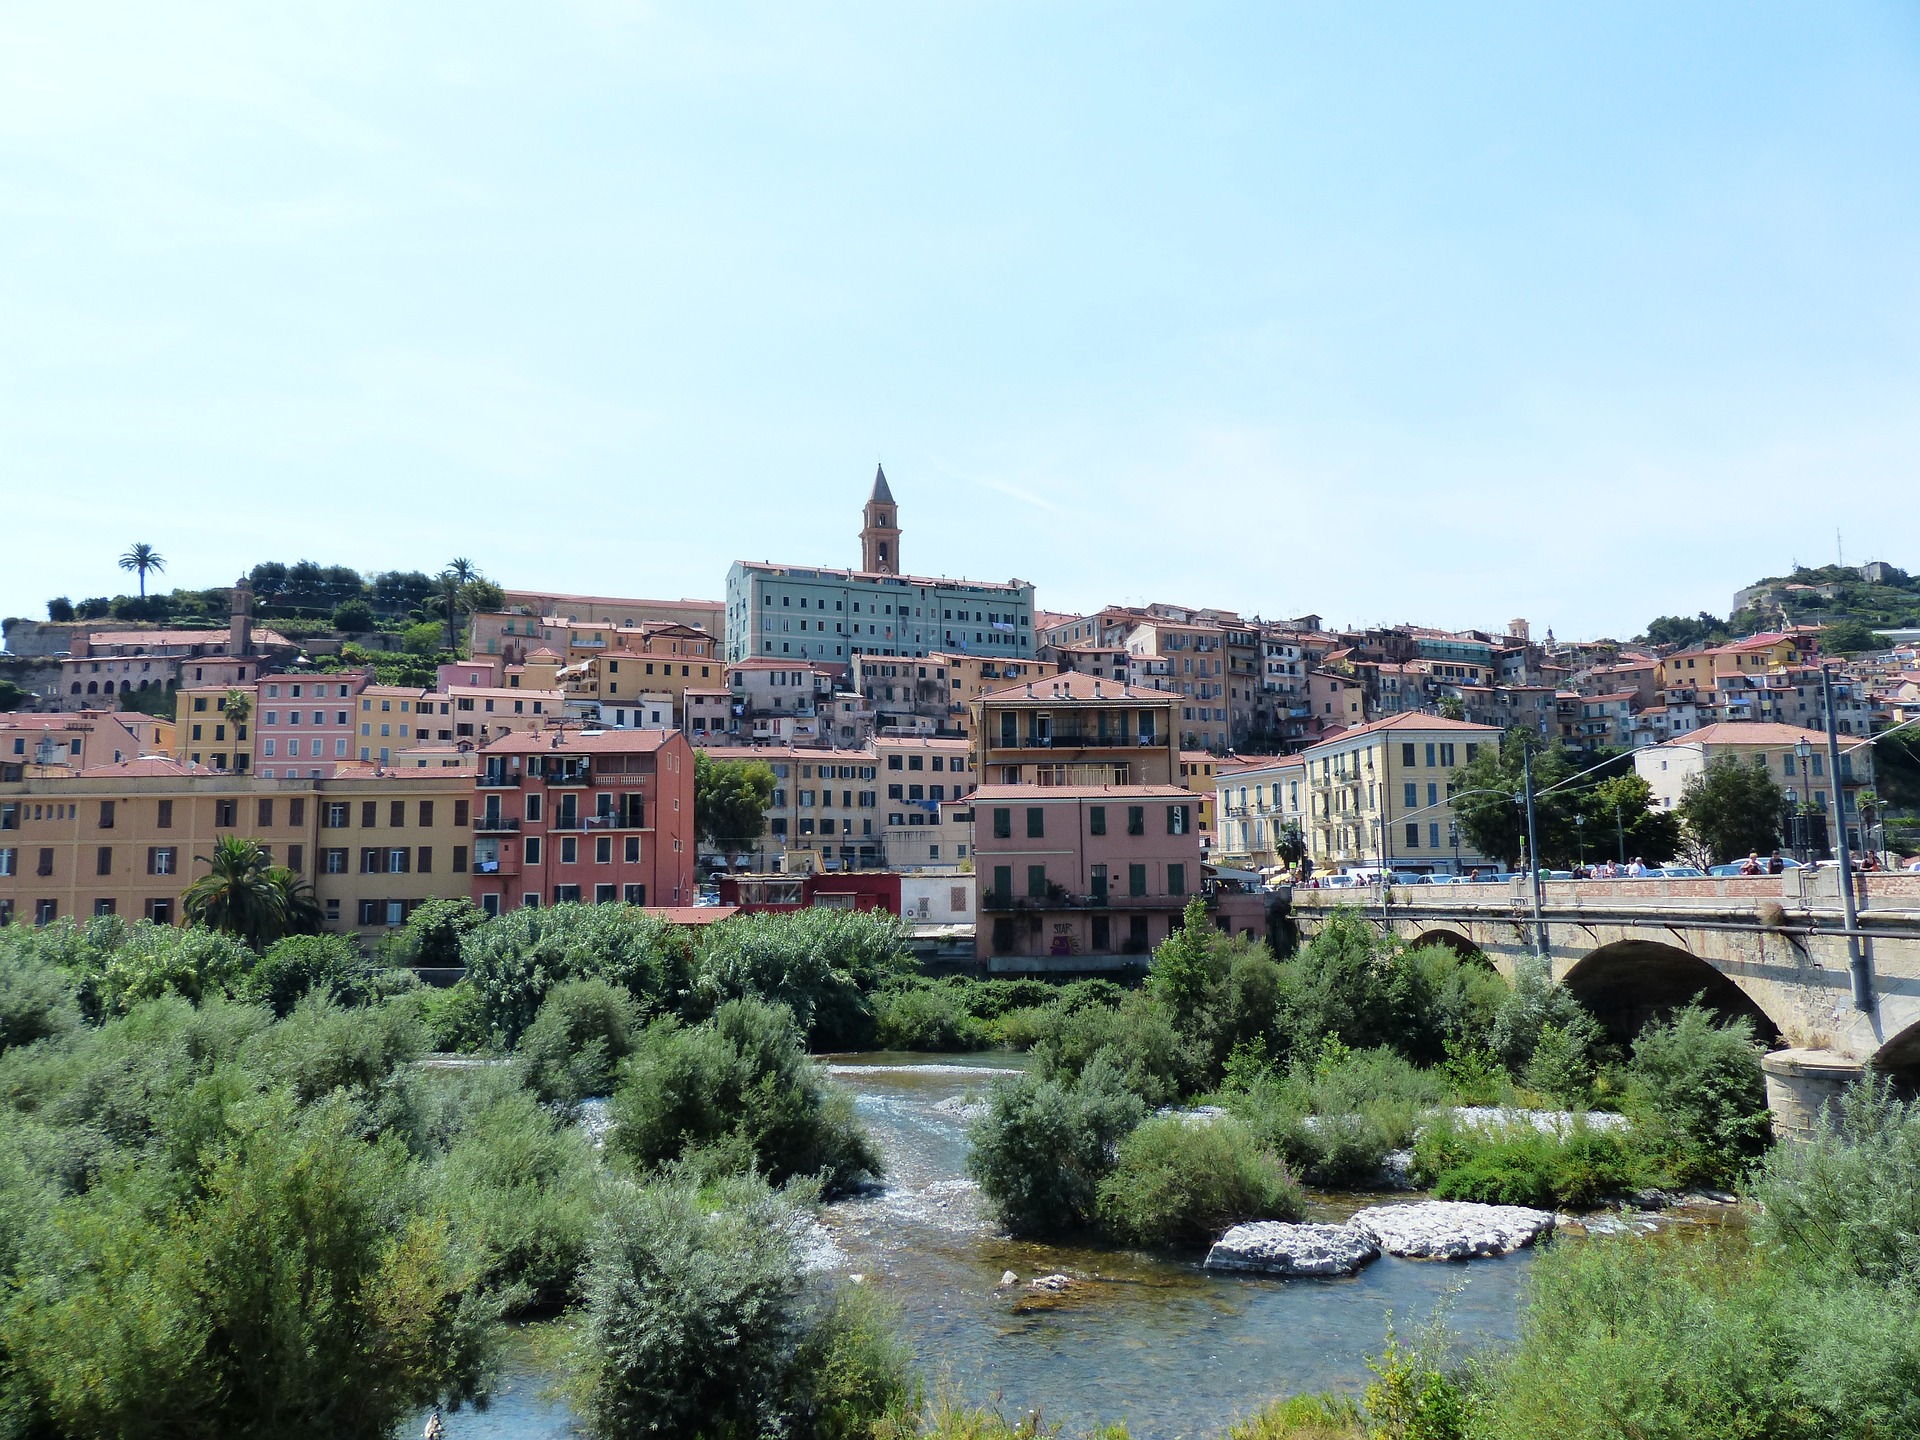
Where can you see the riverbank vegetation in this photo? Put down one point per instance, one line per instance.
(1326, 1064)
(239, 1196)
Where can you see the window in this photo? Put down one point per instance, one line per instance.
(9, 862)
(633, 850)
(106, 814)
(1178, 819)
(1036, 822)
(164, 821)
(334, 817)
(161, 859)
(460, 814)
(634, 894)
(1136, 880)
(1002, 823)
(1097, 820)
(1003, 881)
(1036, 882)
(566, 894)
(226, 813)
(425, 859)
(1176, 879)
(1136, 820)
(1446, 756)
(1102, 934)
(160, 912)
(45, 912)
(103, 860)
(296, 812)
(396, 815)
(333, 861)
(1406, 753)
(45, 866)
(603, 850)
(370, 861)
(1413, 834)
(1431, 747)
(569, 849)
(369, 814)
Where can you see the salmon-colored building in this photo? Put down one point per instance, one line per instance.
(593, 816)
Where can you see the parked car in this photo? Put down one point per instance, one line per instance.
(1676, 872)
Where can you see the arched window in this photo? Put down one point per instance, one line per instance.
(76, 687)
(93, 687)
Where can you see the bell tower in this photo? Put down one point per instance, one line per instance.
(880, 539)
(240, 626)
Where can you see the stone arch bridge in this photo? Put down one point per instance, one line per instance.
(1772, 948)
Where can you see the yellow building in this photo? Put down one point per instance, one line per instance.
(203, 732)
(1258, 802)
(128, 839)
(1379, 795)
(1197, 770)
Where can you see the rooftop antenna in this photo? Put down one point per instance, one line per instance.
(1839, 551)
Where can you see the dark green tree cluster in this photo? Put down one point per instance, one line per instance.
(730, 800)
(1595, 815)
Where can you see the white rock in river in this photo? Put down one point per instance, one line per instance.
(1274, 1247)
(1452, 1229)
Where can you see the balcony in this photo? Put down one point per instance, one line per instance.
(997, 903)
(1083, 742)
(485, 824)
(497, 780)
(570, 777)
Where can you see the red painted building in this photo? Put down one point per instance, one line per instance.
(844, 890)
(594, 816)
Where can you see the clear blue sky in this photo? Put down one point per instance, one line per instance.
(1451, 312)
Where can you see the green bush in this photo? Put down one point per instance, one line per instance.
(455, 1017)
(1139, 1040)
(1699, 1097)
(733, 1092)
(925, 1018)
(299, 1289)
(1043, 1147)
(584, 1029)
(38, 1000)
(1534, 1004)
(434, 933)
(1656, 1337)
(1334, 1115)
(1521, 1165)
(1177, 1181)
(515, 959)
(822, 964)
(697, 1322)
(323, 1047)
(519, 1189)
(115, 965)
(301, 964)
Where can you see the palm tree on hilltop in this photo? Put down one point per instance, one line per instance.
(140, 559)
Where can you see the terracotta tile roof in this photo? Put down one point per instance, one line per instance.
(1414, 722)
(1753, 732)
(150, 765)
(593, 742)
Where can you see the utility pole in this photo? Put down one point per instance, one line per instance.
(1858, 966)
(1533, 854)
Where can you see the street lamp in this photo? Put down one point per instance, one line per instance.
(1793, 825)
(1803, 751)
(1580, 835)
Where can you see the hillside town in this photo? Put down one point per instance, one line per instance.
(919, 734)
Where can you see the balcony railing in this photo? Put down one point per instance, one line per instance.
(1084, 742)
(497, 780)
(569, 777)
(496, 824)
(996, 902)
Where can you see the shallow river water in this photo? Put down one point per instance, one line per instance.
(1151, 1340)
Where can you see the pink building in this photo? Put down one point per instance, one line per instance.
(1081, 877)
(304, 726)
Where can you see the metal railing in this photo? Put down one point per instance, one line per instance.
(496, 824)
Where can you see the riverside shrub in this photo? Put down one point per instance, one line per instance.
(584, 1028)
(1043, 1147)
(698, 1322)
(822, 964)
(1182, 1181)
(1699, 1097)
(1521, 1165)
(734, 1092)
(515, 959)
(926, 1018)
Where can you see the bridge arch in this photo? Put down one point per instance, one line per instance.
(1899, 1060)
(1452, 940)
(1631, 982)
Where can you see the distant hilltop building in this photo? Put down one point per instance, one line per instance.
(829, 616)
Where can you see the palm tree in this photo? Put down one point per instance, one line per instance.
(239, 706)
(299, 911)
(238, 894)
(140, 559)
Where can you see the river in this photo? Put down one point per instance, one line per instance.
(1150, 1340)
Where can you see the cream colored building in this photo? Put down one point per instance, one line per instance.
(1379, 795)
(1256, 803)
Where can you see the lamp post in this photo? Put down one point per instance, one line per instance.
(1580, 836)
(1803, 751)
(1453, 839)
(1533, 848)
(1793, 824)
(1858, 966)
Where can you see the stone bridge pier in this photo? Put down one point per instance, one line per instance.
(1771, 948)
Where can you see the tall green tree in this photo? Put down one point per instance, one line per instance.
(1621, 816)
(239, 895)
(1733, 807)
(730, 799)
(143, 559)
(1491, 818)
